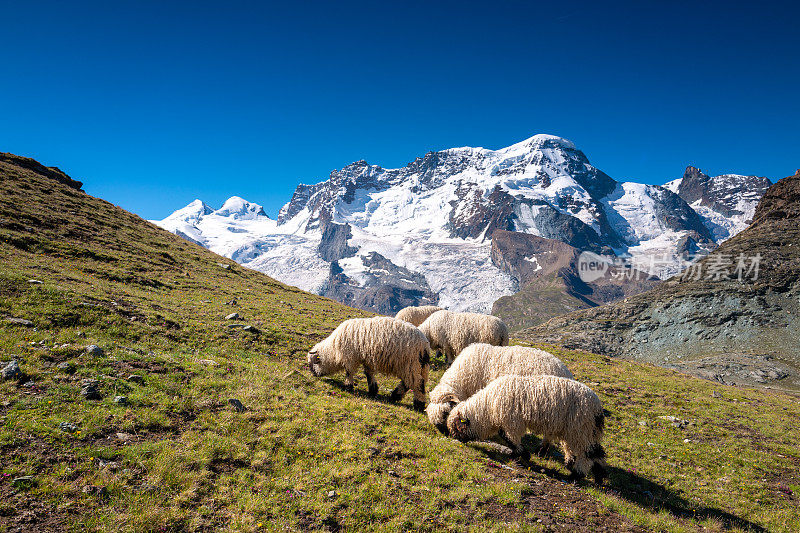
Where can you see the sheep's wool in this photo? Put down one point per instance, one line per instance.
(452, 332)
(416, 315)
(479, 364)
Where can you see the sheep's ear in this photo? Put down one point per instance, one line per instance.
(452, 403)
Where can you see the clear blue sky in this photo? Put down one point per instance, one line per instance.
(153, 104)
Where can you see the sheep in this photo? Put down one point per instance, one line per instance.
(451, 332)
(479, 364)
(559, 408)
(416, 315)
(381, 344)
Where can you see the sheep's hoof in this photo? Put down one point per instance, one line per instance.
(373, 390)
(574, 477)
(350, 388)
(396, 396)
(419, 406)
(525, 455)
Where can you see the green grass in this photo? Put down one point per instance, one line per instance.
(306, 455)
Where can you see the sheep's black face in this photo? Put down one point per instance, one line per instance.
(460, 428)
(314, 363)
(438, 414)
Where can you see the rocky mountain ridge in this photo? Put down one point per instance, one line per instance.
(733, 316)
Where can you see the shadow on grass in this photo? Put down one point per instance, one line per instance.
(644, 492)
(362, 393)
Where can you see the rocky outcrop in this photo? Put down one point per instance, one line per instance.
(382, 286)
(333, 245)
(724, 193)
(53, 173)
(742, 299)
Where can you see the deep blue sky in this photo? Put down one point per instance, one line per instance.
(153, 105)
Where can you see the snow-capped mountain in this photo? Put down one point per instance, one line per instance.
(382, 238)
(726, 203)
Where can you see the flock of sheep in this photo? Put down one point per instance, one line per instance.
(490, 389)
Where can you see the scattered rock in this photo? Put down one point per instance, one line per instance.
(251, 329)
(29, 384)
(237, 405)
(94, 350)
(233, 316)
(136, 378)
(124, 437)
(716, 394)
(234, 326)
(11, 371)
(68, 427)
(677, 422)
(332, 494)
(89, 390)
(81, 334)
(209, 362)
(66, 367)
(224, 266)
(34, 281)
(121, 400)
(19, 321)
(23, 481)
(100, 492)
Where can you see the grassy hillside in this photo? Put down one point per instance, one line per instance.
(305, 455)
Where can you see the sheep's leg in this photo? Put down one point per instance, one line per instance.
(419, 395)
(516, 447)
(371, 383)
(544, 447)
(349, 382)
(422, 380)
(399, 391)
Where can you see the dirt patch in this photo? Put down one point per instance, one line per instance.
(554, 504)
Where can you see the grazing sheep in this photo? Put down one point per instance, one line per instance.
(561, 409)
(451, 332)
(380, 344)
(416, 315)
(479, 364)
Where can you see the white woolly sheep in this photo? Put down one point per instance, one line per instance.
(451, 332)
(561, 409)
(416, 315)
(381, 344)
(479, 364)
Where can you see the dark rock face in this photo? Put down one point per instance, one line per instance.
(570, 230)
(386, 289)
(721, 193)
(547, 272)
(472, 215)
(333, 245)
(696, 320)
(677, 215)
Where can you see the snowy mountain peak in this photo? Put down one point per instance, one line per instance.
(240, 209)
(191, 213)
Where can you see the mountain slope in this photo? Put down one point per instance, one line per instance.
(304, 455)
(548, 273)
(707, 320)
(435, 218)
